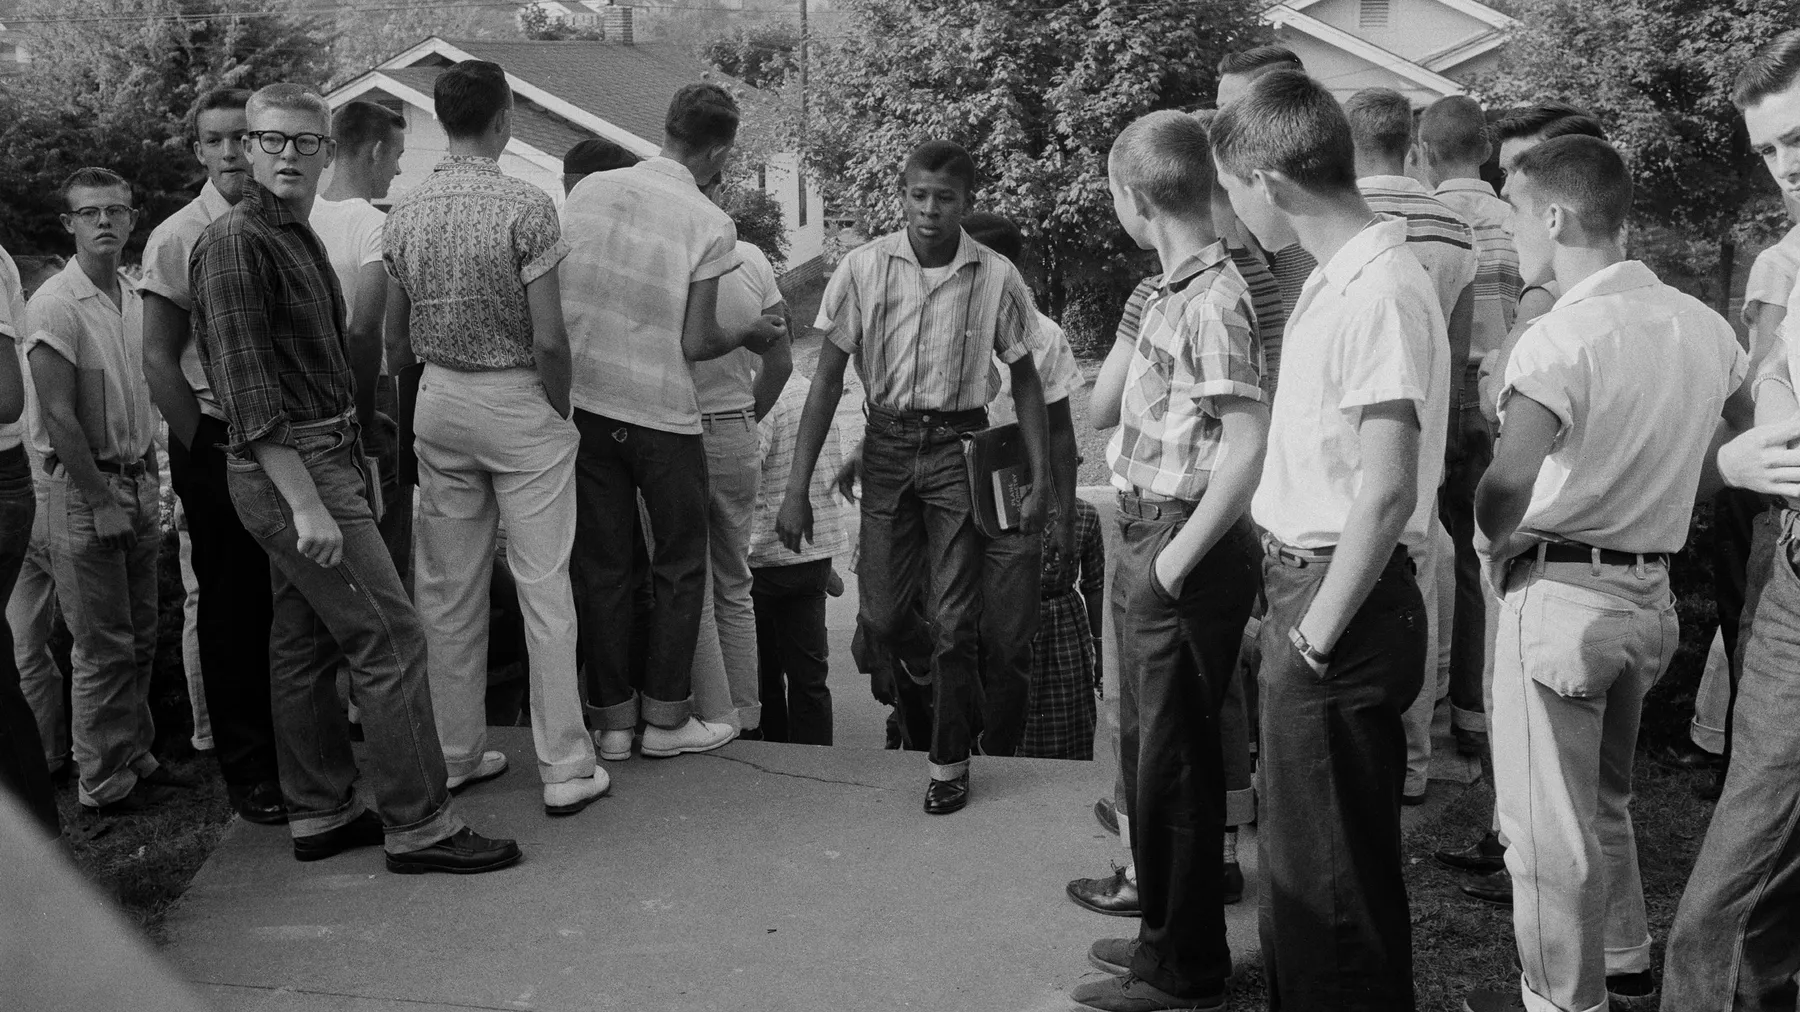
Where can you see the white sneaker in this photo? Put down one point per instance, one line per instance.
(572, 796)
(492, 765)
(694, 736)
(614, 746)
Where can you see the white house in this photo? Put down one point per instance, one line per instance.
(568, 92)
(1424, 49)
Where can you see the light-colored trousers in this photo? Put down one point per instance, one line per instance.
(1435, 561)
(728, 616)
(31, 613)
(190, 637)
(492, 450)
(1713, 700)
(1578, 647)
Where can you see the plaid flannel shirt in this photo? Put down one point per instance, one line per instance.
(269, 319)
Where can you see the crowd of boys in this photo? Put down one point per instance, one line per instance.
(1429, 435)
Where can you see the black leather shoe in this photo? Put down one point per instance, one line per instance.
(1685, 755)
(363, 831)
(1495, 889)
(142, 797)
(1114, 895)
(1107, 815)
(461, 853)
(1712, 788)
(162, 776)
(261, 804)
(1415, 800)
(1632, 990)
(945, 796)
(1472, 744)
(1234, 882)
(1483, 857)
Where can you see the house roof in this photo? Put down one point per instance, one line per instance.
(550, 134)
(1286, 16)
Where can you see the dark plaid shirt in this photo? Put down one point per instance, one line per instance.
(268, 317)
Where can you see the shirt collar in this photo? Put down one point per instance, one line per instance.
(1362, 249)
(966, 251)
(467, 163)
(259, 201)
(671, 168)
(1192, 264)
(1406, 183)
(1624, 276)
(213, 202)
(1468, 185)
(83, 287)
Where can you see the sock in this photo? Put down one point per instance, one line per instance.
(1231, 846)
(1131, 873)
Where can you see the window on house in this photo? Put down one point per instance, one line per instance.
(802, 177)
(1373, 14)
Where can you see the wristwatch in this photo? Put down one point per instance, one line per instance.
(1314, 656)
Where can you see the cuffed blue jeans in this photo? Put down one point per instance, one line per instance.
(358, 615)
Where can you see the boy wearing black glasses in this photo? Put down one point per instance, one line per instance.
(94, 427)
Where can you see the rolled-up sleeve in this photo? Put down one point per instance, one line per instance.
(1016, 319)
(232, 304)
(538, 241)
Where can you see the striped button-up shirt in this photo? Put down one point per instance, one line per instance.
(923, 343)
(1497, 281)
(776, 435)
(1437, 236)
(1196, 345)
(268, 316)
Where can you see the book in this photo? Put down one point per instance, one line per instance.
(999, 477)
(1011, 486)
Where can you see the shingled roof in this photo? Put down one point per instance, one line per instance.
(550, 134)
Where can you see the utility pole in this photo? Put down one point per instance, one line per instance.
(803, 61)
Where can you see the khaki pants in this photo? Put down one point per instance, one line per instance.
(1578, 647)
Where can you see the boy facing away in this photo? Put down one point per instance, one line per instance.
(1590, 492)
(1355, 448)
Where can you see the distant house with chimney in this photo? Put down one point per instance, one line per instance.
(568, 92)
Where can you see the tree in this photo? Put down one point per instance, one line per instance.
(1658, 73)
(1037, 92)
(759, 221)
(761, 56)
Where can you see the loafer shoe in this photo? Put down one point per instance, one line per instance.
(1712, 788)
(142, 797)
(363, 831)
(461, 853)
(1113, 955)
(1483, 857)
(1107, 814)
(1633, 990)
(572, 796)
(1114, 895)
(1685, 755)
(261, 804)
(1494, 1000)
(1495, 889)
(1233, 888)
(162, 776)
(614, 746)
(1131, 994)
(945, 796)
(1469, 743)
(1415, 800)
(694, 736)
(492, 765)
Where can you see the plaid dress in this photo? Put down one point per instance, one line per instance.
(1065, 662)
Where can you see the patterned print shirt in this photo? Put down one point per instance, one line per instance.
(1197, 344)
(463, 245)
(268, 316)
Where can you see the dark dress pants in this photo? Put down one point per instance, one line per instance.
(792, 651)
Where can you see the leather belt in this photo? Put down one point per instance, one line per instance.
(134, 469)
(726, 416)
(1143, 506)
(1574, 551)
(973, 416)
(1293, 555)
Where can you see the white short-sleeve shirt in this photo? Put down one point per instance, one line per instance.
(166, 274)
(1636, 373)
(12, 326)
(1056, 366)
(105, 344)
(1366, 330)
(351, 232)
(728, 383)
(1773, 274)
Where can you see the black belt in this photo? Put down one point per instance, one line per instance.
(1155, 507)
(973, 416)
(133, 469)
(1564, 551)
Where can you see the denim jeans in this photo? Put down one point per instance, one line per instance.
(30, 616)
(1577, 648)
(492, 451)
(396, 495)
(1012, 579)
(108, 598)
(1336, 927)
(235, 613)
(23, 768)
(1456, 511)
(615, 462)
(355, 614)
(1735, 944)
(794, 652)
(732, 478)
(1177, 657)
(916, 523)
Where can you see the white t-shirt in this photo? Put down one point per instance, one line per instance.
(1637, 373)
(12, 326)
(1367, 329)
(166, 274)
(728, 383)
(1056, 367)
(1773, 274)
(351, 232)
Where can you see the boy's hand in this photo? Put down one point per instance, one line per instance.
(848, 474)
(112, 527)
(795, 522)
(1167, 574)
(1763, 460)
(318, 537)
(1033, 509)
(763, 334)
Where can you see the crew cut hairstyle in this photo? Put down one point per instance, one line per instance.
(293, 97)
(1548, 120)
(1381, 121)
(702, 116)
(360, 125)
(997, 232)
(90, 178)
(596, 154)
(1261, 58)
(1773, 67)
(469, 95)
(1287, 123)
(1586, 175)
(217, 98)
(1166, 157)
(941, 156)
(1457, 129)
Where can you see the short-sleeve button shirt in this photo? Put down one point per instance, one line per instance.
(12, 322)
(728, 383)
(639, 238)
(1626, 461)
(166, 257)
(1772, 275)
(923, 343)
(1056, 367)
(105, 344)
(1497, 281)
(1443, 243)
(1196, 345)
(1367, 330)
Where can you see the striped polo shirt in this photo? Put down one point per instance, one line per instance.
(923, 342)
(1436, 235)
(1497, 281)
(1196, 344)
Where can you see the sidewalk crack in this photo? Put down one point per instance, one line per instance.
(797, 776)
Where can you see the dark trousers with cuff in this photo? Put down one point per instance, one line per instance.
(792, 651)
